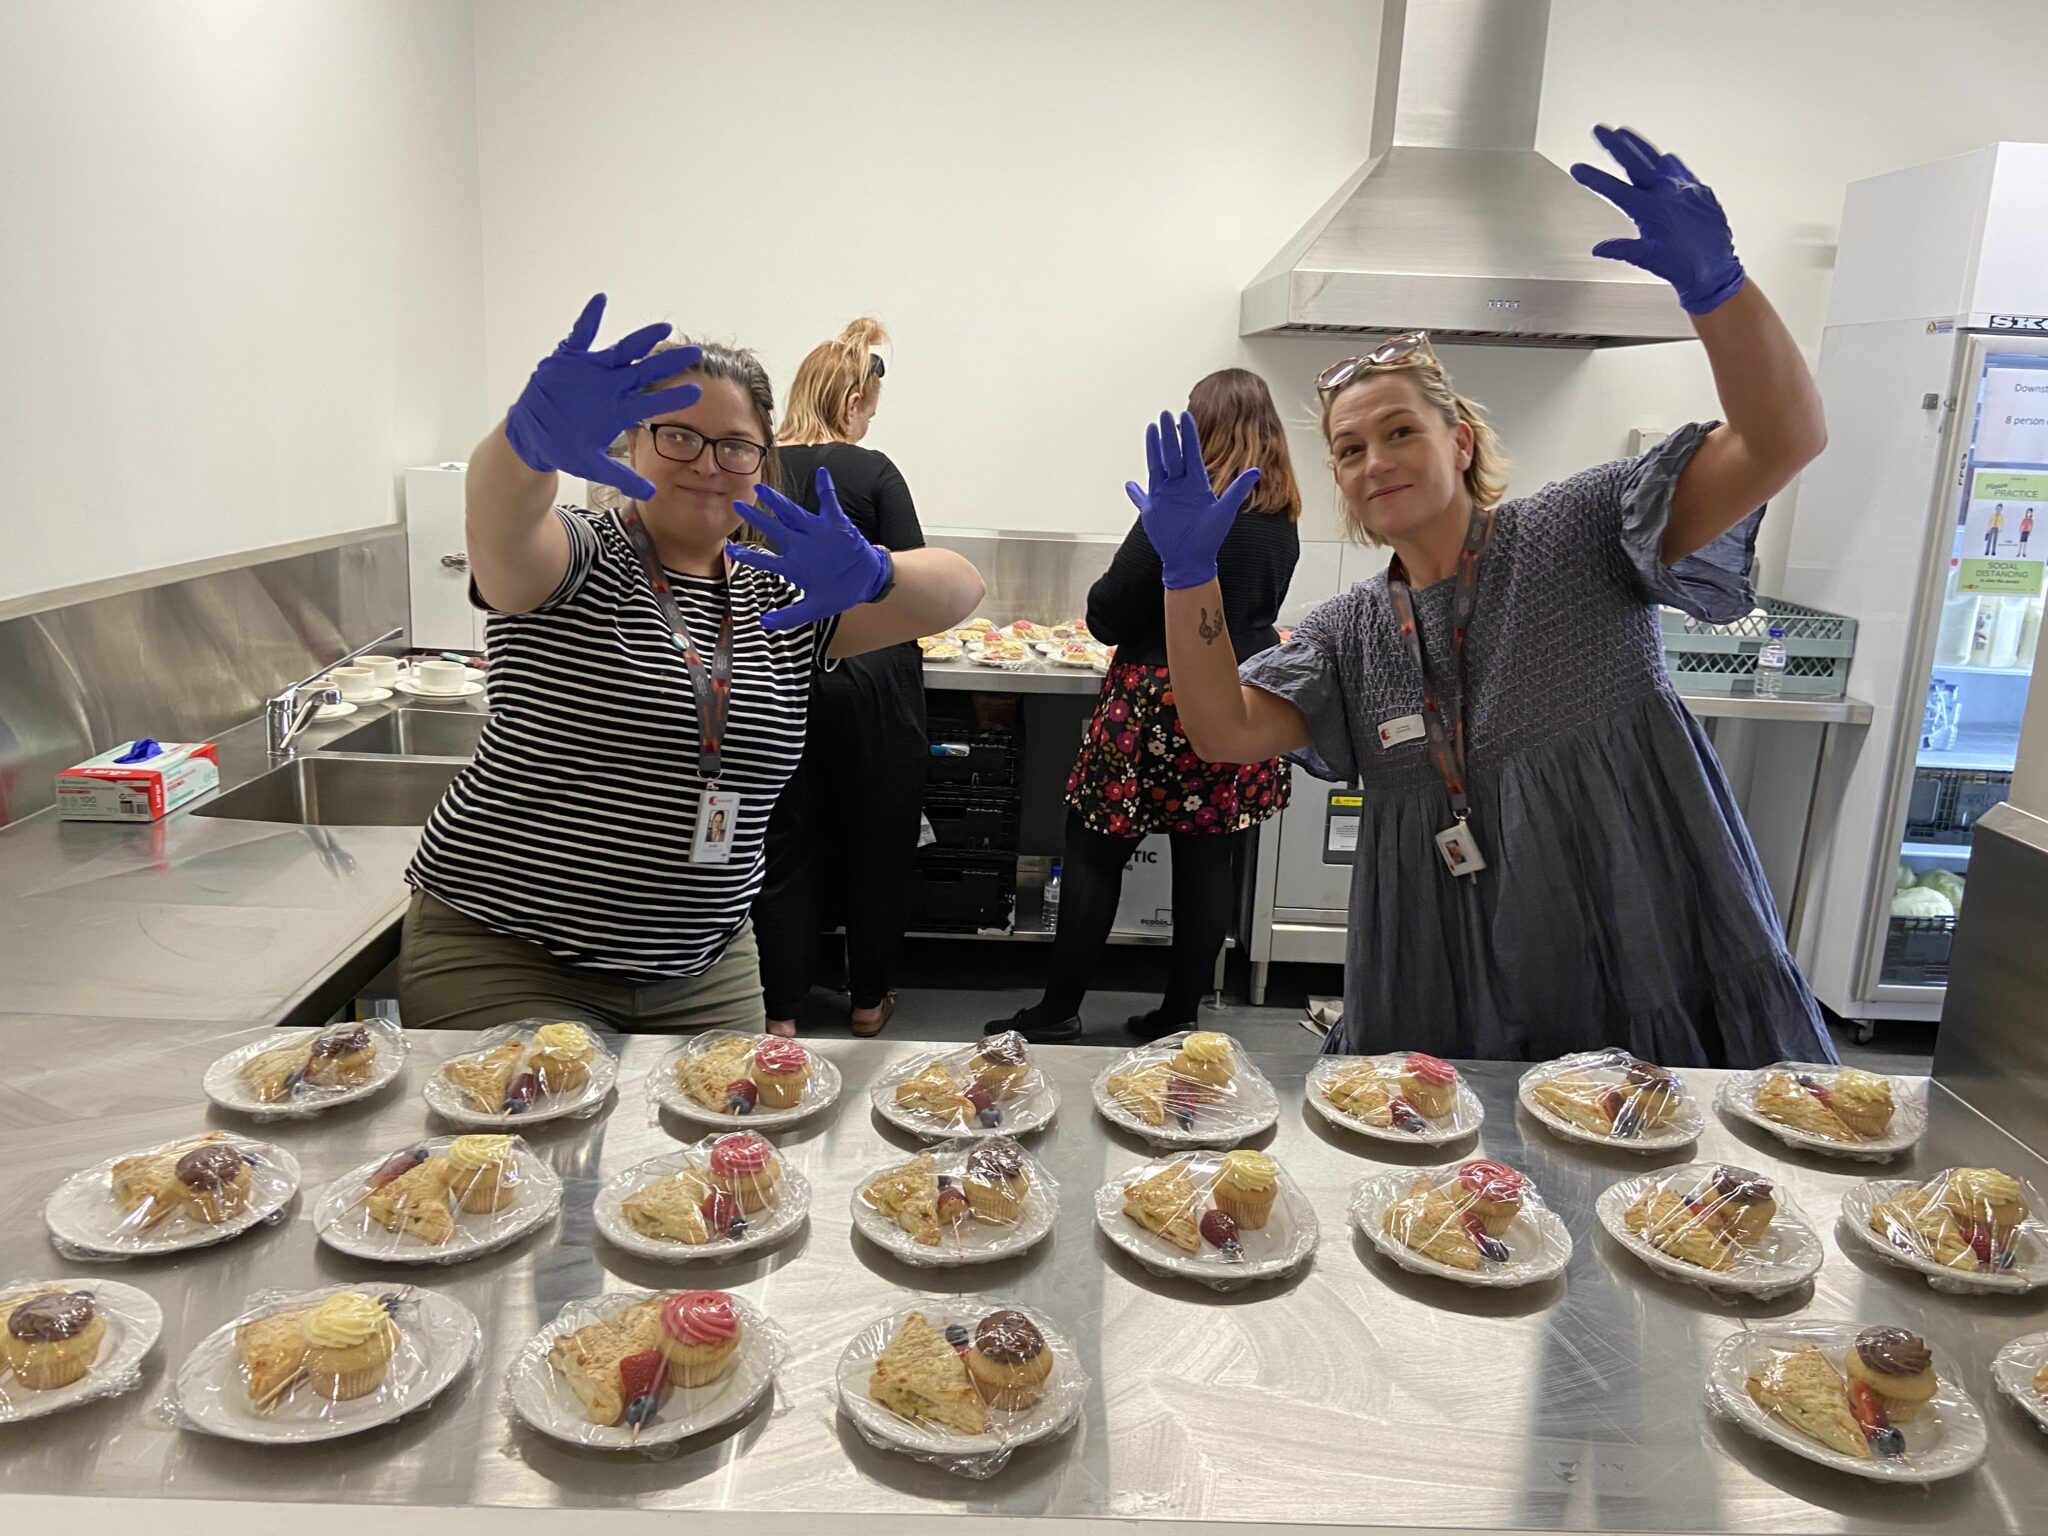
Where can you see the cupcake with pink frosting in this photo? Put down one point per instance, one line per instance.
(781, 1068)
(745, 1167)
(700, 1334)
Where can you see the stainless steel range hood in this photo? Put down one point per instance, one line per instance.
(1455, 225)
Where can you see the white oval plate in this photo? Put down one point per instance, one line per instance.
(224, 1085)
(2013, 1370)
(1789, 1256)
(1066, 1389)
(1464, 1119)
(334, 711)
(133, 1322)
(1032, 1110)
(1539, 1246)
(445, 1100)
(210, 1395)
(821, 1091)
(2032, 1246)
(972, 1241)
(1682, 1130)
(1281, 1246)
(1253, 1106)
(1950, 1428)
(1737, 1097)
(768, 1225)
(82, 1212)
(340, 1222)
(543, 1399)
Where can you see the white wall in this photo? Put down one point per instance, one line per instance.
(1055, 206)
(240, 286)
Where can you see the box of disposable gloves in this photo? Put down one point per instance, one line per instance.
(137, 781)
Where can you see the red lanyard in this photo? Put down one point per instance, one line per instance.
(1446, 741)
(711, 687)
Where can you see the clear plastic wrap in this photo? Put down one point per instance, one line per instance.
(721, 1077)
(1808, 1386)
(439, 1201)
(1478, 1223)
(1612, 1099)
(965, 1201)
(960, 1382)
(1405, 1096)
(1225, 1219)
(597, 1376)
(675, 1208)
(1840, 1111)
(293, 1074)
(534, 1070)
(184, 1194)
(1966, 1229)
(318, 1365)
(68, 1341)
(1196, 1088)
(992, 1088)
(2020, 1371)
(1715, 1226)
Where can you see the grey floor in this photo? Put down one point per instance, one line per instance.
(948, 989)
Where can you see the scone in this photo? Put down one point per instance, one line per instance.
(921, 1377)
(271, 1352)
(932, 1091)
(601, 1362)
(146, 1186)
(1429, 1220)
(1670, 1225)
(1805, 1390)
(1008, 1360)
(272, 1075)
(52, 1337)
(414, 1201)
(1359, 1090)
(671, 1207)
(1167, 1203)
(1783, 1098)
(1917, 1223)
(910, 1197)
(1898, 1367)
(708, 1075)
(482, 1079)
(1862, 1101)
(1581, 1100)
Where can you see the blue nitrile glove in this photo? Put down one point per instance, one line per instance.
(820, 552)
(140, 750)
(579, 401)
(1186, 522)
(1685, 235)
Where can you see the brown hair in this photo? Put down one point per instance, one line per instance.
(1241, 430)
(833, 370)
(736, 365)
(1486, 477)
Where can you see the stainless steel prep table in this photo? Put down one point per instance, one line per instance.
(1354, 1394)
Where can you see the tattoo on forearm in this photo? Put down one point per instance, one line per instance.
(1210, 628)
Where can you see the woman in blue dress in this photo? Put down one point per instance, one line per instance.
(1550, 858)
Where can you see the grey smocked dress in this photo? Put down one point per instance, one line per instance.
(1622, 902)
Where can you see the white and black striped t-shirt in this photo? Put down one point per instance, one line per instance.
(572, 828)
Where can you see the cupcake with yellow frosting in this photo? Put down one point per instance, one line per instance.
(560, 1057)
(349, 1340)
(1245, 1187)
(1980, 1195)
(483, 1172)
(1862, 1101)
(1206, 1057)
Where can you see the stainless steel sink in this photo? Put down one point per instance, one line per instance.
(415, 733)
(337, 792)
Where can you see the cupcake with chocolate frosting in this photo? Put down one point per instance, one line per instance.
(1008, 1360)
(1744, 1203)
(1898, 1367)
(1001, 1063)
(1654, 1092)
(52, 1338)
(998, 1180)
(341, 1057)
(213, 1181)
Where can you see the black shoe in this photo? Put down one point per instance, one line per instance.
(1026, 1023)
(1150, 1026)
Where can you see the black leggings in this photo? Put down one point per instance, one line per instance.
(1091, 880)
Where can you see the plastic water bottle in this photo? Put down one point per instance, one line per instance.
(1770, 665)
(1050, 904)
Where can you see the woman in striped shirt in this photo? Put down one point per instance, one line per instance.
(649, 686)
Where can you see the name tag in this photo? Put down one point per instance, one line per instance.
(718, 820)
(1399, 729)
(1460, 849)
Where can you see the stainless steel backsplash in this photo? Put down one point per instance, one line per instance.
(181, 659)
(1043, 577)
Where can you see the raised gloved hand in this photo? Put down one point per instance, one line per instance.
(578, 401)
(1183, 518)
(820, 552)
(1685, 237)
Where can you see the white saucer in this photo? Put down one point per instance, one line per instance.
(374, 696)
(468, 690)
(334, 711)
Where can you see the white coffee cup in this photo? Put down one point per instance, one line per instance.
(354, 682)
(440, 676)
(385, 668)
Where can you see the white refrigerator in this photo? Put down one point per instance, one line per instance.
(1926, 519)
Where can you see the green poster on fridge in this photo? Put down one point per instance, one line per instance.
(1999, 553)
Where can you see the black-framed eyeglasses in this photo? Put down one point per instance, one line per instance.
(682, 445)
(877, 369)
(1411, 349)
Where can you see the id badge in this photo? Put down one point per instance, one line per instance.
(1402, 728)
(718, 821)
(1460, 849)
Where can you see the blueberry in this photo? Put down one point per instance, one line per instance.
(1492, 1249)
(249, 1158)
(641, 1411)
(738, 1106)
(1887, 1441)
(946, 1181)
(294, 1082)
(1185, 1118)
(1233, 1251)
(1807, 1080)
(957, 1337)
(990, 1117)
(738, 1229)
(1412, 1124)
(1628, 1123)
(390, 1301)
(2005, 1258)
(516, 1106)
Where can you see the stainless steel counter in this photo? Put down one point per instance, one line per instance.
(1354, 1394)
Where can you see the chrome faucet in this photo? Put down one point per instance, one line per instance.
(286, 713)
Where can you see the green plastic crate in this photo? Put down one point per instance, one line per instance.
(1721, 658)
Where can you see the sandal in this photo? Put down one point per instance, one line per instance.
(881, 1021)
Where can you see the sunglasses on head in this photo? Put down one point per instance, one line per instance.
(877, 369)
(1411, 349)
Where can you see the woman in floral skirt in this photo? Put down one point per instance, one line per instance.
(1136, 772)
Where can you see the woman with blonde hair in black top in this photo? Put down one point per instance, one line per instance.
(844, 834)
(1137, 772)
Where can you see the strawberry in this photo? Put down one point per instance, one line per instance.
(640, 1375)
(1868, 1410)
(1982, 1242)
(396, 1166)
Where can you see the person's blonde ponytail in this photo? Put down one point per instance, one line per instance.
(834, 370)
